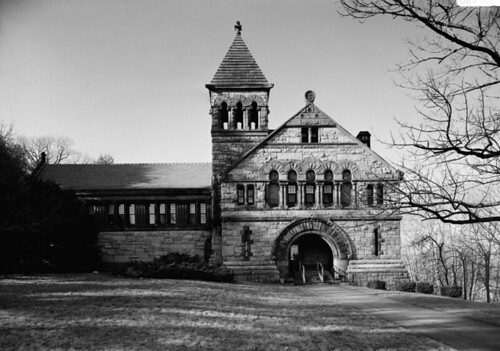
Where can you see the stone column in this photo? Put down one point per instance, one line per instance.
(355, 189)
(300, 195)
(319, 195)
(245, 125)
(282, 195)
(336, 195)
(263, 118)
(230, 116)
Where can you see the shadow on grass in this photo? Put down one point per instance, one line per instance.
(104, 312)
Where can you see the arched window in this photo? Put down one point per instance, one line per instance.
(328, 189)
(380, 194)
(291, 189)
(369, 195)
(238, 116)
(346, 189)
(240, 191)
(273, 190)
(254, 117)
(310, 188)
(224, 117)
(250, 194)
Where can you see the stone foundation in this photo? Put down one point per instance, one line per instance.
(145, 246)
(262, 271)
(359, 272)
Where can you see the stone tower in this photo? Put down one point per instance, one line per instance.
(239, 94)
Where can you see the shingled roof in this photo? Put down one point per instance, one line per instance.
(239, 70)
(129, 176)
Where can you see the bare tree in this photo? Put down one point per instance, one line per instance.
(452, 172)
(104, 159)
(57, 150)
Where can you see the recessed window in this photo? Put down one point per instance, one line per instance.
(273, 190)
(310, 188)
(224, 116)
(309, 134)
(173, 214)
(250, 194)
(203, 213)
(369, 195)
(328, 188)
(192, 213)
(380, 194)
(152, 214)
(254, 117)
(238, 116)
(346, 189)
(162, 214)
(240, 190)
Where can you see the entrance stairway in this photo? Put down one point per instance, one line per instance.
(312, 274)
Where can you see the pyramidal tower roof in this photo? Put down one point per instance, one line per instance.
(238, 69)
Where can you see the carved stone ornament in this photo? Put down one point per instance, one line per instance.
(310, 96)
(246, 100)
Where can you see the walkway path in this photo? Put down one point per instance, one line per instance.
(447, 328)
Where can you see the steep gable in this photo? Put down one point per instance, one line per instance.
(336, 147)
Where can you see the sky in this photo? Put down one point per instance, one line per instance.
(127, 77)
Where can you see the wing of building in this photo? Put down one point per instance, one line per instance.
(305, 202)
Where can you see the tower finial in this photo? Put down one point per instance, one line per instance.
(238, 27)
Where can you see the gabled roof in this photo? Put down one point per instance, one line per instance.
(239, 70)
(129, 176)
(310, 115)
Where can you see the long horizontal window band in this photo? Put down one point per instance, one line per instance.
(149, 214)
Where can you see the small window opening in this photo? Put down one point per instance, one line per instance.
(254, 117)
(224, 116)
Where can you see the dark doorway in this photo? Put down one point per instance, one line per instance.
(309, 250)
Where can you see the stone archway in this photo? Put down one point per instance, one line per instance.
(336, 238)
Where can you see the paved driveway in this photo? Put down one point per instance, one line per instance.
(447, 328)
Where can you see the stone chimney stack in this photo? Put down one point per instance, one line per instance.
(364, 137)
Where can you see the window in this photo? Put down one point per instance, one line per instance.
(98, 213)
(291, 198)
(152, 214)
(254, 117)
(111, 214)
(238, 116)
(131, 213)
(309, 135)
(310, 188)
(376, 242)
(162, 214)
(173, 214)
(203, 213)
(121, 214)
(369, 195)
(380, 194)
(240, 190)
(182, 214)
(314, 135)
(250, 195)
(273, 190)
(192, 213)
(304, 135)
(224, 116)
(346, 189)
(328, 189)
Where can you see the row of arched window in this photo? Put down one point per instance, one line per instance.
(328, 194)
(238, 120)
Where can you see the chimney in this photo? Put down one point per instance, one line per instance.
(43, 159)
(364, 137)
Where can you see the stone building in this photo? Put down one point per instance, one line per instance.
(306, 201)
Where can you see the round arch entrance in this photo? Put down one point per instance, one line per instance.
(309, 241)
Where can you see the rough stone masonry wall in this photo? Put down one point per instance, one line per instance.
(264, 233)
(146, 245)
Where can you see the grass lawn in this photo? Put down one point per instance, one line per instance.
(102, 312)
